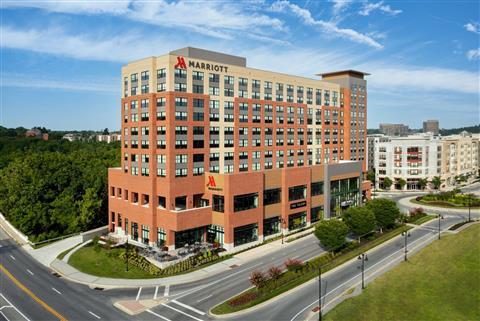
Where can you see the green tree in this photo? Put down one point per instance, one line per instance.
(371, 176)
(387, 183)
(402, 183)
(436, 181)
(331, 233)
(386, 212)
(360, 220)
(422, 183)
(106, 132)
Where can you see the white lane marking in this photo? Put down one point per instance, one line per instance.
(180, 311)
(381, 261)
(29, 272)
(156, 291)
(203, 299)
(19, 312)
(138, 294)
(167, 291)
(4, 316)
(158, 315)
(96, 316)
(5, 306)
(56, 291)
(12, 257)
(188, 307)
(201, 287)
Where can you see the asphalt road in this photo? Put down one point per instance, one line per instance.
(190, 301)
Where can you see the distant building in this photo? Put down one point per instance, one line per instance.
(431, 126)
(109, 138)
(372, 140)
(424, 156)
(71, 137)
(36, 133)
(394, 129)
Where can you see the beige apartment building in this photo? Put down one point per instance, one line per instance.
(460, 156)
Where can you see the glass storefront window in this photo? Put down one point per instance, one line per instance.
(297, 220)
(161, 237)
(134, 231)
(245, 234)
(297, 192)
(316, 214)
(215, 233)
(218, 203)
(245, 202)
(272, 196)
(271, 226)
(189, 236)
(145, 234)
(317, 188)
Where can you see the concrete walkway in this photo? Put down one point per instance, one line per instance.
(69, 272)
(48, 253)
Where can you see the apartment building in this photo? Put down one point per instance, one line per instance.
(424, 156)
(393, 129)
(213, 150)
(460, 156)
(431, 126)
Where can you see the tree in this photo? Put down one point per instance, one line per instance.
(386, 212)
(258, 279)
(387, 182)
(422, 183)
(360, 220)
(331, 233)
(436, 181)
(274, 273)
(402, 183)
(371, 176)
(105, 131)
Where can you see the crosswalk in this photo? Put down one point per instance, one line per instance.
(169, 309)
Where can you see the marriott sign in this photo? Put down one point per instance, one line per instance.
(199, 65)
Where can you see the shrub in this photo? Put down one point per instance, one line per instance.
(258, 279)
(293, 265)
(243, 299)
(274, 273)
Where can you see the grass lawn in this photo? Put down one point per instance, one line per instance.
(441, 282)
(100, 263)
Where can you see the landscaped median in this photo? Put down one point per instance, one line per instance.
(275, 283)
(450, 199)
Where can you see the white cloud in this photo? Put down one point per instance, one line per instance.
(122, 48)
(473, 27)
(340, 5)
(212, 18)
(36, 81)
(473, 54)
(327, 26)
(369, 7)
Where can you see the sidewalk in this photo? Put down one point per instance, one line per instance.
(47, 254)
(75, 275)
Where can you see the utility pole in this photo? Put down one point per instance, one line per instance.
(126, 255)
(364, 258)
(406, 235)
(319, 292)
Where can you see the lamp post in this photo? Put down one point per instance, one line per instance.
(364, 258)
(319, 292)
(440, 217)
(406, 235)
(283, 224)
(126, 255)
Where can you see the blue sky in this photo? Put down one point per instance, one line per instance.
(60, 60)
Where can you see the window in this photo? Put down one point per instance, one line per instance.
(197, 75)
(180, 73)
(161, 73)
(218, 203)
(272, 196)
(317, 188)
(297, 193)
(145, 75)
(214, 77)
(245, 202)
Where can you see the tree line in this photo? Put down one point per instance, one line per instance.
(54, 188)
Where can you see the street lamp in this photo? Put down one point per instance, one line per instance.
(364, 258)
(406, 235)
(440, 217)
(319, 292)
(283, 223)
(126, 255)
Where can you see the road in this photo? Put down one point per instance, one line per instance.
(190, 301)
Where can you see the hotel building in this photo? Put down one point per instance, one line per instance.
(213, 150)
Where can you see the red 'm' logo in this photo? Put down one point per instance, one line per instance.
(181, 63)
(211, 182)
